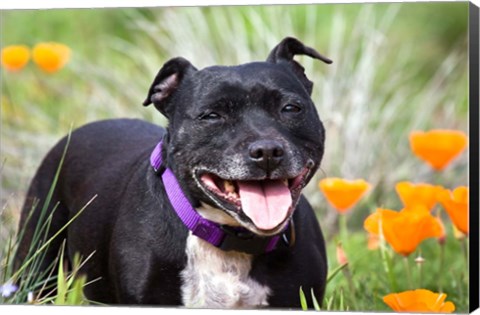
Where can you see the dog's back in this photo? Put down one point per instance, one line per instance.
(99, 157)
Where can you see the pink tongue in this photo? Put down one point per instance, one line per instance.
(266, 203)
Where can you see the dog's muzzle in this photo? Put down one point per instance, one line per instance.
(221, 236)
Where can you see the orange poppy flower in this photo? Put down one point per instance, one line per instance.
(404, 230)
(456, 205)
(343, 194)
(51, 57)
(438, 147)
(419, 300)
(15, 57)
(413, 194)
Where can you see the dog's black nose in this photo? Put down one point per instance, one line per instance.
(267, 154)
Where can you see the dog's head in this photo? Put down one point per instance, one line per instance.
(244, 139)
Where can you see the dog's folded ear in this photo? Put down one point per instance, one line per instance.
(167, 81)
(284, 52)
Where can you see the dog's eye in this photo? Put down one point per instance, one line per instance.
(291, 108)
(209, 116)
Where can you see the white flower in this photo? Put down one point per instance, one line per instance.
(7, 289)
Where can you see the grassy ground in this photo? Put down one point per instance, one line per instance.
(393, 73)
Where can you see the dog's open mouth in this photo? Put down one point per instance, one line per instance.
(267, 203)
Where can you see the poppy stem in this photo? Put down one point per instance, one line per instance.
(420, 285)
(343, 227)
(387, 263)
(442, 264)
(465, 250)
(351, 286)
(419, 261)
(387, 259)
(409, 274)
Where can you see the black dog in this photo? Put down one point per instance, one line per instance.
(214, 217)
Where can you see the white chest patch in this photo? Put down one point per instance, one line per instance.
(217, 279)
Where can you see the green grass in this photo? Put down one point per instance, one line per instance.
(52, 285)
(392, 73)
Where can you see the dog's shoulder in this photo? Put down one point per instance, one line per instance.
(117, 128)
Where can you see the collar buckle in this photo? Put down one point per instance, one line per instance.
(242, 240)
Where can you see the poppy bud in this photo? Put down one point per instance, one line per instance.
(341, 256)
(373, 241)
(419, 260)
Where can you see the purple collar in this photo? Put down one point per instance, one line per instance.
(221, 236)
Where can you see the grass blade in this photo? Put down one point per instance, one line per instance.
(75, 295)
(21, 269)
(303, 300)
(316, 306)
(61, 281)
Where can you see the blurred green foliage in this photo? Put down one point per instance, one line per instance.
(433, 26)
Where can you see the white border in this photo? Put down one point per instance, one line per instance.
(49, 4)
(93, 310)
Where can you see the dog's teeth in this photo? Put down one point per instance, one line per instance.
(232, 195)
(285, 182)
(229, 187)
